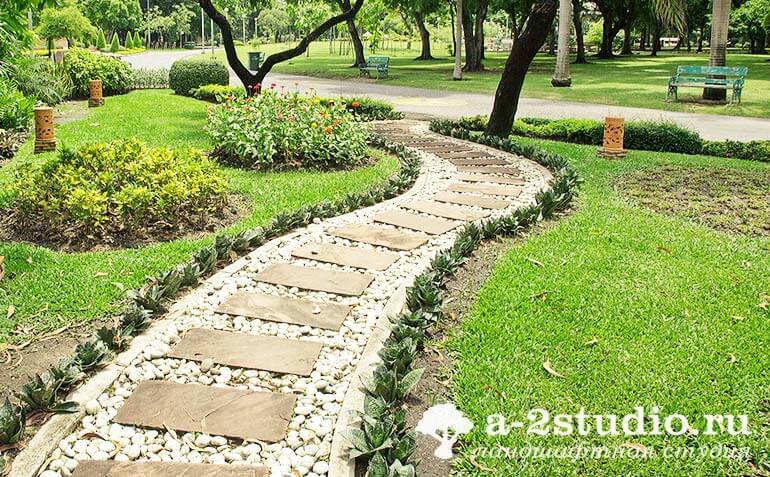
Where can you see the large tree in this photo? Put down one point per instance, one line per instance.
(355, 36)
(474, 15)
(523, 52)
(67, 23)
(14, 29)
(251, 81)
(418, 11)
(113, 16)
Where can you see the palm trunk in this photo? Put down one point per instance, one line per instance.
(424, 36)
(577, 20)
(561, 76)
(720, 19)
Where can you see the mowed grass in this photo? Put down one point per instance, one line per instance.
(49, 289)
(633, 308)
(638, 80)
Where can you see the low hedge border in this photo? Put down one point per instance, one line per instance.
(46, 392)
(383, 442)
(641, 135)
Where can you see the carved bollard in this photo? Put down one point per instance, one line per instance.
(44, 136)
(614, 131)
(95, 97)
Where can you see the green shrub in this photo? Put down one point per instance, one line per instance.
(286, 130)
(82, 66)
(138, 42)
(368, 109)
(474, 123)
(15, 108)
(115, 45)
(129, 41)
(752, 151)
(10, 141)
(115, 187)
(39, 78)
(217, 93)
(667, 137)
(186, 75)
(101, 41)
(145, 78)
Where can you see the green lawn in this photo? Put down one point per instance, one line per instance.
(50, 289)
(638, 81)
(633, 308)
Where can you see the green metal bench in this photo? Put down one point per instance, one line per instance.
(377, 64)
(716, 77)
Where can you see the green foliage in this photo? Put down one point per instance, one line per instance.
(13, 420)
(129, 43)
(107, 188)
(15, 108)
(82, 66)
(66, 23)
(138, 41)
(91, 355)
(286, 130)
(657, 136)
(113, 15)
(217, 93)
(368, 109)
(44, 392)
(41, 79)
(101, 41)
(10, 141)
(752, 151)
(115, 45)
(145, 78)
(186, 75)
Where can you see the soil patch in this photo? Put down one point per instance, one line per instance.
(728, 200)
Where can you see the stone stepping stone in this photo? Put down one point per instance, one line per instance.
(308, 278)
(488, 189)
(490, 161)
(373, 235)
(466, 155)
(327, 316)
(242, 350)
(440, 149)
(489, 178)
(228, 412)
(421, 223)
(443, 210)
(111, 468)
(475, 200)
(347, 256)
(489, 170)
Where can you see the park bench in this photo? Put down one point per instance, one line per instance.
(378, 64)
(717, 77)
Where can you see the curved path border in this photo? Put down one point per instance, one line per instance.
(322, 399)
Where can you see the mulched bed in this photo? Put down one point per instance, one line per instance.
(728, 200)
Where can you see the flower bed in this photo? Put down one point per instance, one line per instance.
(286, 130)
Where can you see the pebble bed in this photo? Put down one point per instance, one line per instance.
(305, 450)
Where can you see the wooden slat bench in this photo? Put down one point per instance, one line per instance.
(717, 77)
(376, 64)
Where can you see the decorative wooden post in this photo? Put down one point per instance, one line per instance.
(44, 137)
(95, 98)
(613, 138)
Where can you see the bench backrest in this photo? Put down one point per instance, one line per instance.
(740, 71)
(378, 60)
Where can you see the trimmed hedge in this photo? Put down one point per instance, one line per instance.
(186, 75)
(217, 93)
(368, 109)
(751, 151)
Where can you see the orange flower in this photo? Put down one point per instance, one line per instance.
(328, 130)
(355, 104)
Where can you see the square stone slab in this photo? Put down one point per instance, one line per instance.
(242, 350)
(308, 278)
(490, 161)
(327, 316)
(475, 200)
(488, 189)
(466, 155)
(228, 412)
(489, 178)
(390, 238)
(443, 210)
(445, 148)
(489, 170)
(350, 256)
(415, 222)
(111, 468)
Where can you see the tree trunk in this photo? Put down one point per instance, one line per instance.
(561, 76)
(655, 40)
(643, 40)
(473, 32)
(627, 41)
(609, 31)
(424, 37)
(457, 75)
(522, 54)
(700, 41)
(355, 38)
(720, 18)
(577, 20)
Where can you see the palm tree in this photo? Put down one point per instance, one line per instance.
(720, 20)
(458, 72)
(561, 76)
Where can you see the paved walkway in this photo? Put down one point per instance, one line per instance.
(420, 103)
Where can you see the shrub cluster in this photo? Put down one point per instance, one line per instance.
(15, 108)
(83, 66)
(280, 130)
(217, 93)
(39, 78)
(146, 78)
(117, 187)
(752, 151)
(46, 392)
(383, 439)
(10, 141)
(368, 109)
(189, 74)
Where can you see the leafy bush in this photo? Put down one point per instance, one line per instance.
(473, 123)
(752, 151)
(115, 45)
(186, 75)
(368, 109)
(668, 137)
(117, 186)
(146, 78)
(10, 141)
(15, 108)
(101, 41)
(40, 79)
(83, 66)
(217, 93)
(129, 41)
(286, 130)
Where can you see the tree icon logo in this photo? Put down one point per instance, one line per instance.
(445, 423)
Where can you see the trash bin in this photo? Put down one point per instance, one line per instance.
(255, 60)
